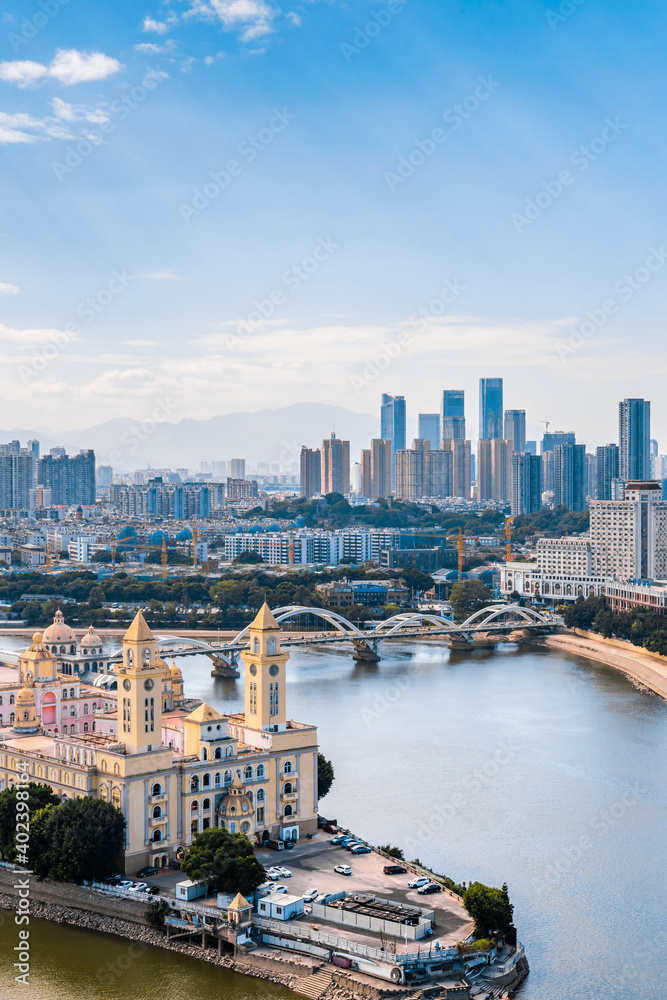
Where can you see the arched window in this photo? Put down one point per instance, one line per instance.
(255, 645)
(287, 767)
(217, 781)
(287, 788)
(85, 727)
(245, 827)
(287, 810)
(72, 710)
(156, 789)
(157, 812)
(12, 699)
(194, 806)
(247, 774)
(85, 708)
(64, 712)
(157, 835)
(272, 646)
(64, 693)
(229, 751)
(227, 778)
(218, 753)
(71, 693)
(204, 753)
(194, 783)
(206, 782)
(72, 649)
(206, 804)
(260, 794)
(0, 699)
(261, 771)
(147, 656)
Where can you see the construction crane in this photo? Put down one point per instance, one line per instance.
(460, 539)
(547, 424)
(508, 536)
(164, 558)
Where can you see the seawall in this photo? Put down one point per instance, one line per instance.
(647, 670)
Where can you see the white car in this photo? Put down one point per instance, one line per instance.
(273, 874)
(343, 869)
(417, 883)
(281, 888)
(138, 887)
(125, 885)
(284, 872)
(311, 895)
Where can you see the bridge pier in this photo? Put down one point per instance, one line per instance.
(225, 669)
(366, 652)
(460, 642)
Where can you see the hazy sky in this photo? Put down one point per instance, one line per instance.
(234, 204)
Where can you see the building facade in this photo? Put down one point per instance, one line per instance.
(490, 409)
(634, 437)
(335, 465)
(310, 472)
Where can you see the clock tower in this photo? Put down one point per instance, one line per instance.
(265, 675)
(139, 690)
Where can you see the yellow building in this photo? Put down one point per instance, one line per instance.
(175, 767)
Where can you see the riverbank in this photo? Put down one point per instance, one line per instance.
(647, 670)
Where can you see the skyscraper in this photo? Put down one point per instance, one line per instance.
(462, 463)
(335, 465)
(16, 478)
(494, 469)
(526, 483)
(310, 474)
(429, 428)
(237, 468)
(569, 476)
(515, 429)
(607, 461)
(634, 435)
(453, 415)
(72, 480)
(490, 409)
(380, 469)
(392, 425)
(366, 487)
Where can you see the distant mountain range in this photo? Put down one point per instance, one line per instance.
(263, 436)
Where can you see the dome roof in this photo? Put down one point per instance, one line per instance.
(175, 672)
(59, 631)
(25, 698)
(91, 638)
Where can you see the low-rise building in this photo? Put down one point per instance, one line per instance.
(369, 593)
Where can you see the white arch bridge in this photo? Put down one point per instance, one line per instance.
(500, 619)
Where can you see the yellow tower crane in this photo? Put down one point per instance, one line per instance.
(460, 539)
(508, 537)
(164, 558)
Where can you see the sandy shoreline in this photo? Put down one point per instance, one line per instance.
(642, 667)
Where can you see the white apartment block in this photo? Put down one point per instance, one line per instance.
(629, 537)
(312, 547)
(564, 555)
(549, 586)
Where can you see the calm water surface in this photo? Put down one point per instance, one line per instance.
(531, 767)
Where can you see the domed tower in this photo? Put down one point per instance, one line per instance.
(265, 674)
(59, 637)
(37, 664)
(236, 809)
(176, 682)
(26, 712)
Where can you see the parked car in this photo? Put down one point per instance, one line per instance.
(360, 849)
(394, 870)
(290, 845)
(311, 895)
(284, 872)
(125, 884)
(138, 887)
(426, 890)
(330, 828)
(339, 840)
(273, 874)
(281, 888)
(343, 869)
(416, 883)
(152, 890)
(146, 872)
(113, 880)
(350, 844)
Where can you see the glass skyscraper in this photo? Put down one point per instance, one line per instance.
(490, 409)
(634, 436)
(392, 425)
(429, 429)
(453, 415)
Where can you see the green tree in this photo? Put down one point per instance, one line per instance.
(39, 796)
(469, 596)
(225, 860)
(96, 597)
(393, 852)
(157, 911)
(81, 838)
(325, 775)
(248, 557)
(490, 909)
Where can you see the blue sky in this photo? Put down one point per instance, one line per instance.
(303, 278)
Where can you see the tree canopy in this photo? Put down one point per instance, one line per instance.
(325, 775)
(490, 909)
(468, 596)
(225, 860)
(39, 796)
(79, 839)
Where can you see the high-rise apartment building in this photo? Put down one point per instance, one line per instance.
(570, 476)
(591, 477)
(494, 469)
(71, 480)
(490, 409)
(547, 445)
(237, 468)
(366, 486)
(423, 472)
(380, 469)
(629, 537)
(634, 435)
(335, 465)
(515, 429)
(17, 477)
(453, 415)
(392, 424)
(310, 472)
(607, 470)
(526, 483)
(462, 466)
(429, 428)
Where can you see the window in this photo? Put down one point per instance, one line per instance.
(288, 810)
(85, 709)
(204, 753)
(64, 693)
(261, 771)
(194, 783)
(218, 753)
(72, 710)
(247, 774)
(229, 751)
(157, 812)
(207, 780)
(272, 646)
(156, 789)
(287, 767)
(228, 777)
(194, 806)
(12, 699)
(206, 804)
(217, 781)
(260, 794)
(255, 645)
(85, 727)
(288, 789)
(71, 693)
(157, 835)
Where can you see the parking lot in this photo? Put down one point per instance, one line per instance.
(312, 865)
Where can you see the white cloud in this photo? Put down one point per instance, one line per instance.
(69, 66)
(159, 27)
(141, 343)
(209, 60)
(294, 19)
(253, 16)
(7, 289)
(20, 127)
(9, 334)
(151, 48)
(157, 276)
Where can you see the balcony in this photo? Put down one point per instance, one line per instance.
(157, 820)
(153, 799)
(289, 796)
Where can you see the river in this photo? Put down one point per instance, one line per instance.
(531, 766)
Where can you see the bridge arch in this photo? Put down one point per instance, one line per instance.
(498, 610)
(395, 624)
(294, 611)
